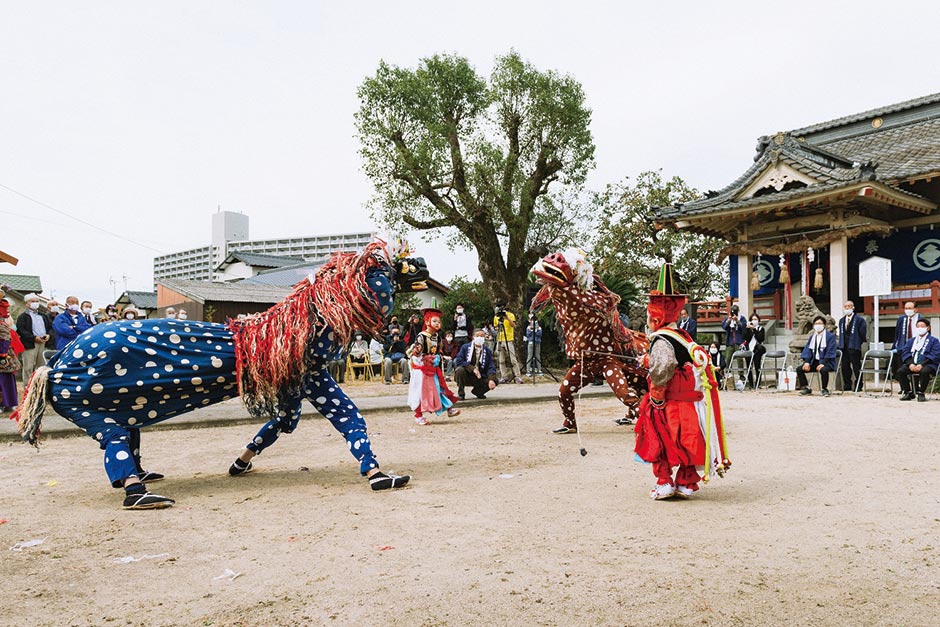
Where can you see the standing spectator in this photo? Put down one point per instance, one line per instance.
(33, 328)
(171, 313)
(182, 315)
(462, 327)
(69, 324)
(903, 332)
(9, 364)
(853, 332)
(489, 337)
(533, 340)
(87, 313)
(395, 354)
(474, 366)
(921, 358)
(734, 326)
(819, 355)
(414, 328)
(505, 324)
(754, 335)
(688, 324)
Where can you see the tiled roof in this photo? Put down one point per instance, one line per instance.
(22, 283)
(287, 276)
(238, 292)
(144, 300)
(259, 260)
(903, 144)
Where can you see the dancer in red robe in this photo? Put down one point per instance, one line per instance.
(680, 417)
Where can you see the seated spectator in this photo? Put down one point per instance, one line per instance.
(718, 361)
(819, 355)
(69, 324)
(359, 352)
(395, 354)
(448, 349)
(474, 366)
(337, 367)
(375, 355)
(920, 358)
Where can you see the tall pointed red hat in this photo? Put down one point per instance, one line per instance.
(665, 303)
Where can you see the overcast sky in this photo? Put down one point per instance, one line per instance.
(142, 118)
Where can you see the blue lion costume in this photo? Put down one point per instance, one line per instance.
(119, 377)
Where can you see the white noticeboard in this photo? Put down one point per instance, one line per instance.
(874, 277)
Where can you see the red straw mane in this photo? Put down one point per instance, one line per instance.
(271, 347)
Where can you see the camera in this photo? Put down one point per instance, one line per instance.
(500, 311)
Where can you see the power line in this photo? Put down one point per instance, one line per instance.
(77, 219)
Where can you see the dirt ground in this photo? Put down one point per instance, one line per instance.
(830, 516)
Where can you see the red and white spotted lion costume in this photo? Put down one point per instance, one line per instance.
(595, 339)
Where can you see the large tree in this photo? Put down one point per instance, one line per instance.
(633, 245)
(495, 165)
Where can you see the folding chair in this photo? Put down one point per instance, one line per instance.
(933, 385)
(873, 355)
(47, 355)
(738, 357)
(353, 366)
(775, 369)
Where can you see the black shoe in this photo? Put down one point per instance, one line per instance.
(381, 481)
(907, 396)
(826, 393)
(564, 429)
(805, 392)
(462, 396)
(921, 398)
(239, 468)
(147, 501)
(480, 396)
(148, 477)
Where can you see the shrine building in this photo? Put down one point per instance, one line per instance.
(819, 200)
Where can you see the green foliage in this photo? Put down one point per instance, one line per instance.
(633, 246)
(495, 166)
(475, 301)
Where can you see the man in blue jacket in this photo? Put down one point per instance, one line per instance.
(853, 332)
(474, 366)
(904, 331)
(69, 324)
(920, 359)
(819, 356)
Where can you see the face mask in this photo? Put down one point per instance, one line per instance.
(171, 316)
(908, 312)
(182, 316)
(755, 322)
(34, 305)
(74, 308)
(920, 331)
(450, 337)
(86, 310)
(56, 309)
(460, 310)
(478, 341)
(129, 317)
(358, 337)
(819, 327)
(713, 350)
(849, 312)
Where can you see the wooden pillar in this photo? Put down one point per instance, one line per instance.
(745, 301)
(839, 277)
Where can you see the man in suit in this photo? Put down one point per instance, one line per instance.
(35, 330)
(920, 359)
(819, 356)
(688, 324)
(474, 366)
(853, 332)
(903, 332)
